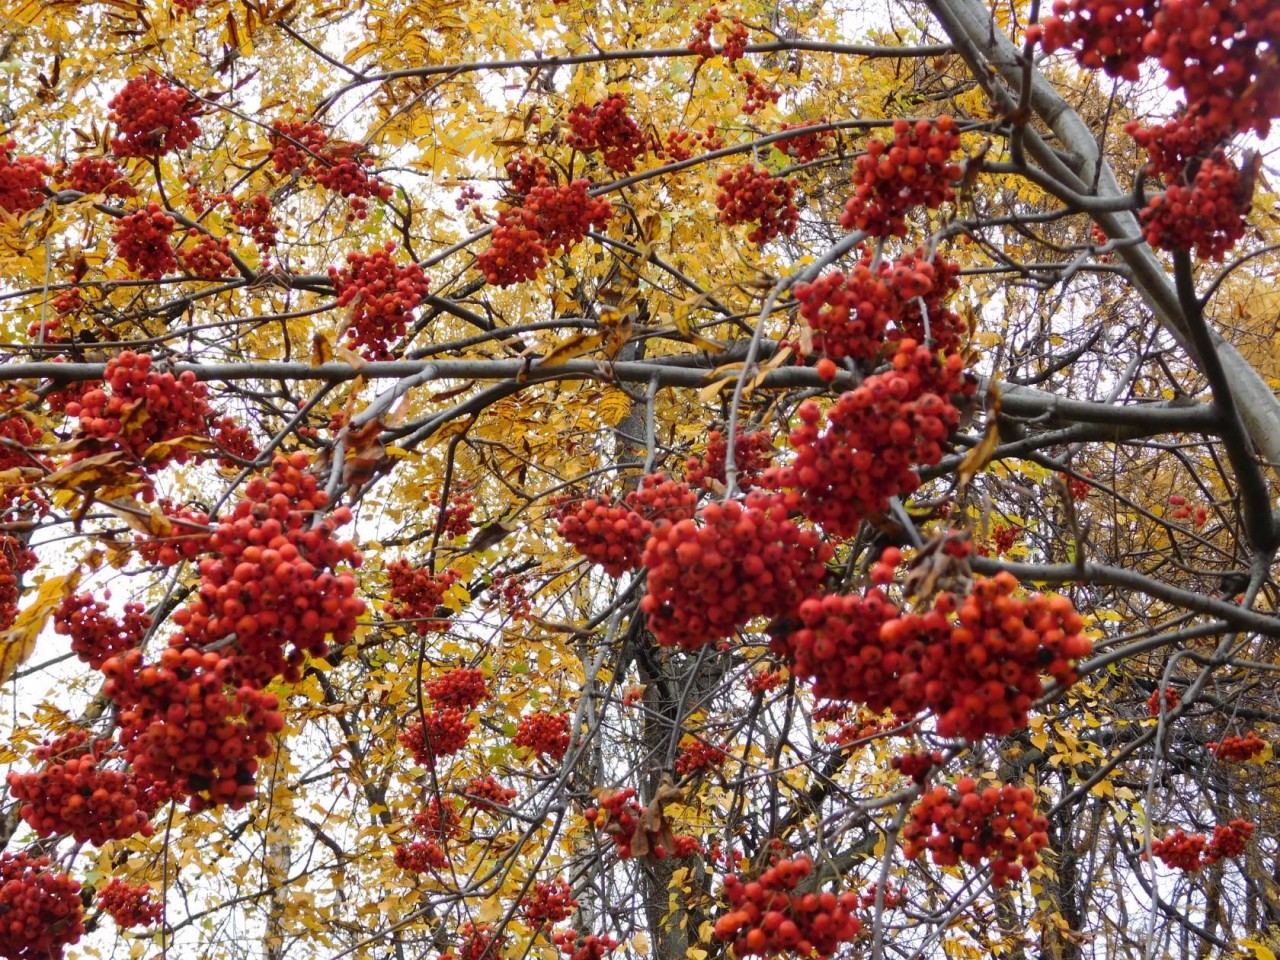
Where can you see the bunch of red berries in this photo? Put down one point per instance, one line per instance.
(763, 681)
(576, 945)
(805, 147)
(207, 257)
(338, 165)
(551, 219)
(382, 298)
(1209, 215)
(188, 536)
(254, 215)
(185, 722)
(737, 561)
(978, 674)
(417, 595)
(440, 733)
(235, 441)
(457, 513)
(42, 910)
(274, 578)
(524, 172)
(144, 240)
(96, 636)
(735, 41)
(129, 906)
(767, 917)
(1110, 33)
(995, 824)
(612, 533)
(462, 688)
(546, 734)
(548, 903)
(487, 790)
(697, 755)
(1238, 749)
(752, 194)
(759, 95)
(139, 407)
(1171, 699)
(917, 766)
(914, 170)
(420, 856)
(22, 179)
(75, 793)
(153, 117)
(1189, 852)
(875, 436)
(608, 128)
(98, 175)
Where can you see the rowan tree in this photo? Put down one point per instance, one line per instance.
(550, 480)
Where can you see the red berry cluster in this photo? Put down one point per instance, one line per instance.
(338, 165)
(697, 755)
(1238, 749)
(546, 734)
(129, 906)
(1189, 852)
(914, 170)
(22, 179)
(739, 560)
(185, 723)
(97, 175)
(254, 215)
(549, 902)
(551, 219)
(805, 147)
(978, 674)
(41, 909)
(735, 42)
(618, 815)
(767, 917)
(612, 533)
(273, 580)
(233, 440)
(417, 595)
(420, 856)
(509, 594)
(1110, 33)
(462, 688)
(207, 257)
(457, 514)
(875, 436)
(680, 144)
(477, 941)
(851, 313)
(1003, 537)
(487, 790)
(576, 945)
(524, 172)
(382, 298)
(15, 558)
(1172, 698)
(752, 194)
(188, 538)
(96, 636)
(439, 821)
(1208, 215)
(443, 733)
(144, 240)
(153, 117)
(759, 95)
(995, 824)
(763, 681)
(76, 794)
(138, 407)
(917, 766)
(607, 127)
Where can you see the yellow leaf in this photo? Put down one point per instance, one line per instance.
(1260, 949)
(640, 943)
(980, 456)
(18, 642)
(575, 346)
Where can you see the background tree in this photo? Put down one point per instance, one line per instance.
(488, 479)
